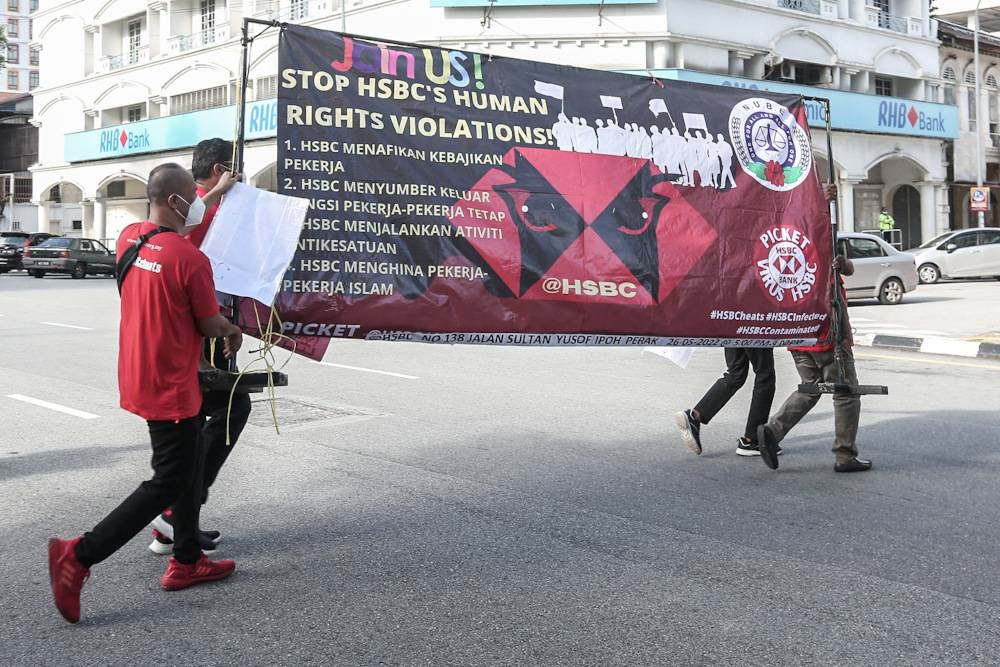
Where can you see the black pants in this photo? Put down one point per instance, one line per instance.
(215, 407)
(177, 469)
(738, 362)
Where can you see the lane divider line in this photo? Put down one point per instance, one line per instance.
(53, 406)
(370, 370)
(68, 326)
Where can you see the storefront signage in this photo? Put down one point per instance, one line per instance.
(170, 133)
(854, 112)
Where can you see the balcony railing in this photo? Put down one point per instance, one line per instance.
(810, 6)
(132, 57)
(182, 43)
(908, 25)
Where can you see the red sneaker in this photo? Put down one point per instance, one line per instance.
(66, 575)
(181, 575)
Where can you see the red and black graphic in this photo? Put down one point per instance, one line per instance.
(454, 193)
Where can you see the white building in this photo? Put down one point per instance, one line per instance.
(20, 69)
(119, 73)
(958, 70)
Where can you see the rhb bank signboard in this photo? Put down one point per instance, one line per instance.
(170, 133)
(855, 112)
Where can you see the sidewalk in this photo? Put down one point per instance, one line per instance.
(958, 318)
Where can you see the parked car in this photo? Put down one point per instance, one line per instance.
(963, 253)
(880, 271)
(77, 257)
(12, 245)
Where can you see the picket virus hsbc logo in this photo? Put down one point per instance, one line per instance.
(119, 139)
(901, 116)
(786, 263)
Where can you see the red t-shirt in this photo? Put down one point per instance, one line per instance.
(197, 235)
(159, 344)
(845, 329)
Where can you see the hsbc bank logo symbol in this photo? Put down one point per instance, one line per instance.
(119, 139)
(786, 263)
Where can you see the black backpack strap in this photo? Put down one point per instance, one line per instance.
(131, 254)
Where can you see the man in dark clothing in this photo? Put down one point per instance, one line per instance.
(738, 362)
(167, 305)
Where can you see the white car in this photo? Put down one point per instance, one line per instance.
(880, 271)
(963, 253)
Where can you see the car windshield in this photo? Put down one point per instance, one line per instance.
(56, 243)
(936, 240)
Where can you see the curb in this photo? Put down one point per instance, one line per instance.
(947, 346)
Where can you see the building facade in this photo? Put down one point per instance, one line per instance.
(977, 115)
(130, 84)
(21, 64)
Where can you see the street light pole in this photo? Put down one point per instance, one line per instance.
(979, 133)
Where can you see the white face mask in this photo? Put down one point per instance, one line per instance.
(196, 212)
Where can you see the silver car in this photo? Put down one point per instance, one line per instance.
(963, 253)
(880, 271)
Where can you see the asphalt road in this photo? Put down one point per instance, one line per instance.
(506, 506)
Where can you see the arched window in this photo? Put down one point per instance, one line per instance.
(991, 80)
(949, 74)
(970, 78)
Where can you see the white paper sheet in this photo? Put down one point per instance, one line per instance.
(252, 240)
(679, 355)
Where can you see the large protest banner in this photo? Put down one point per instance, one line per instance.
(462, 198)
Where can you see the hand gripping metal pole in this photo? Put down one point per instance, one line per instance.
(840, 386)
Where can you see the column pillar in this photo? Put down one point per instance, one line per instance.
(87, 209)
(860, 82)
(100, 220)
(928, 210)
(845, 191)
(43, 216)
(844, 9)
(858, 10)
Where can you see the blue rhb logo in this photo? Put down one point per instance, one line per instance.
(118, 139)
(899, 115)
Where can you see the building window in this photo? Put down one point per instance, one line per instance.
(298, 10)
(12, 81)
(13, 54)
(54, 194)
(134, 40)
(208, 98)
(31, 29)
(15, 226)
(972, 109)
(33, 57)
(32, 80)
(883, 86)
(77, 225)
(134, 113)
(12, 6)
(12, 27)
(267, 87)
(34, 5)
(207, 21)
(116, 189)
(970, 78)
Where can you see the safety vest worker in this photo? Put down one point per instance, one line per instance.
(885, 221)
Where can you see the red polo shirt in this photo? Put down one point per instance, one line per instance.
(197, 235)
(168, 288)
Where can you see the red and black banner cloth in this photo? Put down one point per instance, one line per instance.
(462, 197)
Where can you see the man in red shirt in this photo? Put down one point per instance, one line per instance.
(211, 166)
(167, 305)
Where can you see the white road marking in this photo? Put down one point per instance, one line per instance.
(68, 326)
(924, 360)
(370, 370)
(913, 333)
(53, 406)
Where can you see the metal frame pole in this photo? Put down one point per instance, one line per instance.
(981, 215)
